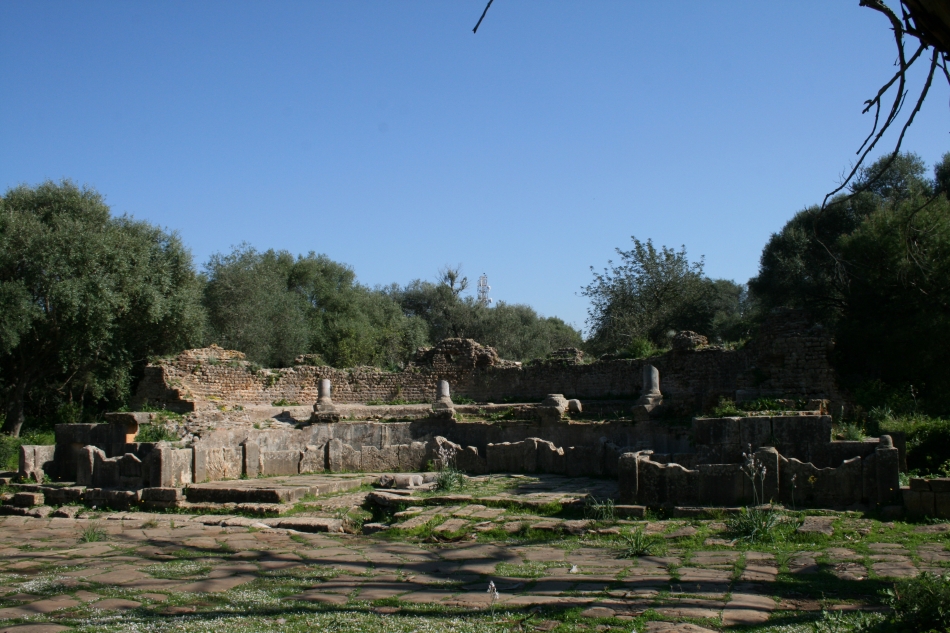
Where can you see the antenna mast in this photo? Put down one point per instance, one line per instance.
(483, 289)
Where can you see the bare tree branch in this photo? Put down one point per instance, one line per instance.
(475, 30)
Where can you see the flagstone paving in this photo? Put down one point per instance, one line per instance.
(437, 558)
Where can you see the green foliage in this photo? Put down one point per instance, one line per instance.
(283, 402)
(874, 267)
(921, 603)
(727, 409)
(10, 446)
(849, 431)
(516, 331)
(655, 292)
(275, 307)
(93, 533)
(754, 525)
(155, 432)
(762, 404)
(85, 299)
(642, 348)
(599, 509)
(928, 440)
(638, 543)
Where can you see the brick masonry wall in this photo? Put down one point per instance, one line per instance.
(788, 358)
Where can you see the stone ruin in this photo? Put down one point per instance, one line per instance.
(244, 425)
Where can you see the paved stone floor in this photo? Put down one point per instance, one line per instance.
(134, 571)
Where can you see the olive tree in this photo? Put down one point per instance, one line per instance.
(85, 298)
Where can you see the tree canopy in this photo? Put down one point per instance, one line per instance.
(85, 298)
(653, 292)
(875, 266)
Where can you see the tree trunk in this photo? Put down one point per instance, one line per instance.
(14, 421)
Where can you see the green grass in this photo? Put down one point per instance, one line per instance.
(93, 533)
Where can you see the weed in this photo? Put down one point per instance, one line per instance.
(921, 603)
(93, 533)
(284, 403)
(850, 431)
(754, 525)
(449, 477)
(726, 409)
(155, 432)
(599, 509)
(638, 543)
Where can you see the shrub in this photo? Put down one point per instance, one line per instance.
(726, 408)
(928, 440)
(156, 432)
(850, 431)
(921, 603)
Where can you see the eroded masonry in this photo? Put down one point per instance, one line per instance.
(256, 439)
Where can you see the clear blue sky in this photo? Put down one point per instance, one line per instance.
(388, 136)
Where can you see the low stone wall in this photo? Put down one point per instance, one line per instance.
(871, 479)
(789, 358)
(928, 498)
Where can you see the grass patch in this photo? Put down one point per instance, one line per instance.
(93, 533)
(176, 569)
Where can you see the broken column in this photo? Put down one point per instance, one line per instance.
(324, 410)
(443, 407)
(650, 396)
(888, 472)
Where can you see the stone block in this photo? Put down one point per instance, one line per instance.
(942, 505)
(170, 467)
(37, 462)
(755, 431)
(351, 459)
(919, 504)
(722, 484)
(335, 455)
(713, 431)
(63, 496)
(167, 495)
(280, 463)
(468, 460)
(412, 457)
(28, 499)
(504, 457)
(86, 464)
(252, 459)
(313, 459)
(940, 485)
(583, 461)
(888, 472)
(130, 473)
(801, 429)
(627, 477)
(682, 485)
(217, 463)
(550, 458)
(651, 482)
(919, 485)
(869, 479)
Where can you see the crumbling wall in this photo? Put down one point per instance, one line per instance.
(871, 479)
(790, 358)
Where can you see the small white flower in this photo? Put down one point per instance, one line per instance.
(573, 570)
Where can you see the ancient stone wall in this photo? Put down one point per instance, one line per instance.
(872, 479)
(928, 498)
(789, 358)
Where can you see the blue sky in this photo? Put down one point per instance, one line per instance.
(388, 136)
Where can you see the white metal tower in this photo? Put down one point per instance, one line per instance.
(483, 289)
